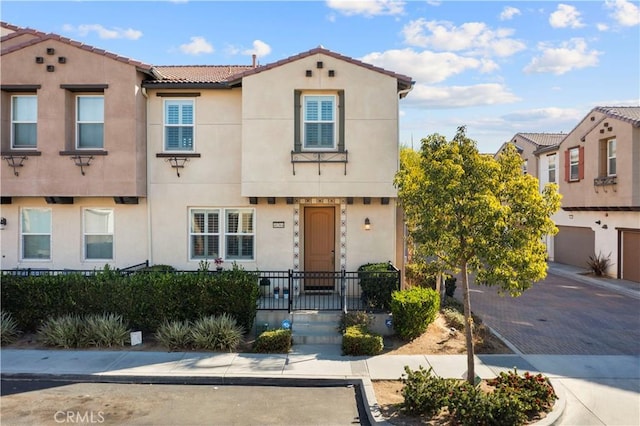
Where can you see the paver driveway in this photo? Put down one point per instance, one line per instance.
(562, 316)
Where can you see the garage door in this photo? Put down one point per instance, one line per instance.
(573, 245)
(630, 245)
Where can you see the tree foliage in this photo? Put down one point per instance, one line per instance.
(473, 213)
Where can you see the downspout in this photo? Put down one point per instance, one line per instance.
(149, 238)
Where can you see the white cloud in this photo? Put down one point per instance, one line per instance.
(602, 27)
(367, 7)
(624, 12)
(434, 97)
(427, 67)
(545, 115)
(197, 46)
(260, 49)
(565, 16)
(570, 55)
(102, 32)
(509, 12)
(472, 37)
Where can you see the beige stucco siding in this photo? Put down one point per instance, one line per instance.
(370, 131)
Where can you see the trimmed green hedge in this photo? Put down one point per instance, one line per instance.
(377, 281)
(357, 340)
(144, 299)
(413, 310)
(273, 342)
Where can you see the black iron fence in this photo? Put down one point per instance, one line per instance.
(289, 290)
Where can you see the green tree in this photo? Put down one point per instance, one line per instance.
(476, 214)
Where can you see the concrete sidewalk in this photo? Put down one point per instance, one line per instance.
(598, 390)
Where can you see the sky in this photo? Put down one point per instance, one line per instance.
(496, 67)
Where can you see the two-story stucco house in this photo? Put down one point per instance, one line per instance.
(600, 184)
(73, 142)
(530, 146)
(284, 166)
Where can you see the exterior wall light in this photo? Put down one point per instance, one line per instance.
(3, 223)
(367, 224)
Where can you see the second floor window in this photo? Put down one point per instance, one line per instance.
(90, 122)
(319, 122)
(611, 157)
(574, 161)
(24, 119)
(178, 125)
(551, 160)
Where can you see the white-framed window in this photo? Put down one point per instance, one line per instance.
(179, 125)
(611, 157)
(204, 234)
(319, 129)
(574, 164)
(98, 226)
(90, 121)
(24, 121)
(239, 234)
(35, 233)
(551, 167)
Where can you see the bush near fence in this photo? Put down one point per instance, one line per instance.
(145, 299)
(377, 281)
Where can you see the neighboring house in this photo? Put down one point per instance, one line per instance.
(106, 160)
(599, 180)
(73, 154)
(284, 166)
(528, 144)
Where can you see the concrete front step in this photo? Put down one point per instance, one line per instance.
(312, 328)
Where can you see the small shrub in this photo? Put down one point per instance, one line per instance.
(470, 406)
(377, 281)
(424, 393)
(453, 303)
(450, 285)
(413, 310)
(174, 334)
(533, 391)
(454, 318)
(217, 333)
(66, 332)
(105, 330)
(8, 328)
(273, 342)
(354, 318)
(357, 340)
(599, 264)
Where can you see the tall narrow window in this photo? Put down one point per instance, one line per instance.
(90, 122)
(35, 229)
(574, 161)
(551, 161)
(204, 234)
(178, 125)
(525, 165)
(319, 122)
(24, 119)
(98, 234)
(239, 234)
(611, 157)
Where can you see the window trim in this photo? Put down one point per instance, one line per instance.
(178, 99)
(610, 157)
(13, 122)
(207, 210)
(304, 122)
(298, 120)
(252, 234)
(78, 122)
(575, 163)
(84, 235)
(22, 234)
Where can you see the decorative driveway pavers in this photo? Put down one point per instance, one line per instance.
(560, 315)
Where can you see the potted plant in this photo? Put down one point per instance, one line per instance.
(218, 261)
(276, 292)
(285, 292)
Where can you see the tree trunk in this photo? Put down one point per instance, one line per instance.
(468, 325)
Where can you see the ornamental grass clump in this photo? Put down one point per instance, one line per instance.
(105, 330)
(8, 328)
(217, 333)
(174, 335)
(66, 332)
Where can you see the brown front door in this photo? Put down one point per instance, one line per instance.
(319, 246)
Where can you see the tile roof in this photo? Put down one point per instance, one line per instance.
(39, 37)
(630, 114)
(543, 139)
(196, 73)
